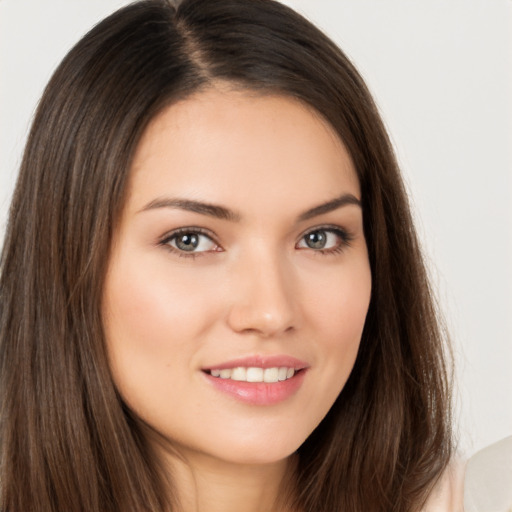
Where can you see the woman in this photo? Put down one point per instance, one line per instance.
(212, 293)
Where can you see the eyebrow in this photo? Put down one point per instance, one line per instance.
(223, 213)
(212, 210)
(329, 206)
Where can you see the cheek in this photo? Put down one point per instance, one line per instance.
(153, 323)
(341, 304)
(338, 314)
(151, 307)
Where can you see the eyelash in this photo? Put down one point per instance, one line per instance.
(345, 237)
(165, 241)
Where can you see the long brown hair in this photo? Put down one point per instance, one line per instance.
(67, 441)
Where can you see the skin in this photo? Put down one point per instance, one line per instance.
(252, 287)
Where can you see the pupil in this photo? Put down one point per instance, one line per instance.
(316, 240)
(187, 242)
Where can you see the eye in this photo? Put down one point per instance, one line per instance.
(324, 240)
(190, 241)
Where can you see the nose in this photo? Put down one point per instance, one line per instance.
(263, 300)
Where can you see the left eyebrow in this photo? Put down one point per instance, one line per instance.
(329, 206)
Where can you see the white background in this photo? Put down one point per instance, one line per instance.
(441, 72)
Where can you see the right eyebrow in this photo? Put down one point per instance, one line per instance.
(212, 210)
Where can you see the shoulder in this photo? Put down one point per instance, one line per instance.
(448, 494)
(480, 485)
(488, 476)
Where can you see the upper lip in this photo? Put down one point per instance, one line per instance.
(261, 361)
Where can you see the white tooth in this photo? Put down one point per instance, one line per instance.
(282, 373)
(271, 375)
(215, 373)
(239, 373)
(254, 374)
(225, 374)
(290, 373)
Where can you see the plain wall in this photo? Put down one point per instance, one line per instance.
(441, 72)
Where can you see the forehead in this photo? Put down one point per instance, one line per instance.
(235, 146)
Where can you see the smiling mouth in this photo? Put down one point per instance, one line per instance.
(255, 374)
(258, 380)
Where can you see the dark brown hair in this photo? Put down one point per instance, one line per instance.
(67, 441)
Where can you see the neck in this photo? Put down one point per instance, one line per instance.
(205, 484)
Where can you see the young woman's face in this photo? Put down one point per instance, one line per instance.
(239, 279)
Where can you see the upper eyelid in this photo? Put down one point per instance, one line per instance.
(189, 229)
(326, 227)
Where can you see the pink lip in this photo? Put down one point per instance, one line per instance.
(259, 393)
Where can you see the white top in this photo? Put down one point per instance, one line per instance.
(488, 482)
(483, 484)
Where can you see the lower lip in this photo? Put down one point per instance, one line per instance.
(259, 393)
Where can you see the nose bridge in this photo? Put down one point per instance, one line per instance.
(263, 300)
